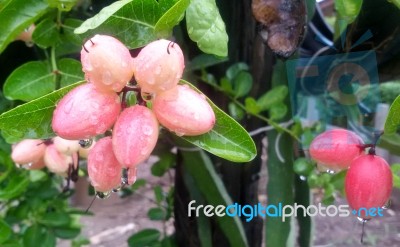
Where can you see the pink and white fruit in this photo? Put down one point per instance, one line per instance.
(107, 63)
(57, 162)
(368, 182)
(28, 151)
(336, 149)
(36, 165)
(66, 146)
(135, 135)
(184, 111)
(159, 66)
(26, 35)
(104, 170)
(84, 112)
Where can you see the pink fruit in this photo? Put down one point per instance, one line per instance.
(66, 146)
(184, 111)
(107, 63)
(368, 183)
(26, 35)
(85, 112)
(159, 66)
(28, 151)
(335, 149)
(104, 170)
(57, 162)
(135, 135)
(36, 165)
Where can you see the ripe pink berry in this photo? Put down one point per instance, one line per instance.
(36, 165)
(57, 162)
(84, 112)
(135, 135)
(107, 63)
(159, 66)
(28, 151)
(184, 111)
(26, 35)
(64, 146)
(104, 170)
(335, 149)
(368, 183)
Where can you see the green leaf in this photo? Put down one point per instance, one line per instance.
(17, 184)
(242, 84)
(66, 232)
(137, 22)
(158, 194)
(166, 161)
(37, 235)
(70, 71)
(172, 16)
(274, 96)
(156, 214)
(393, 118)
(235, 111)
(33, 119)
(303, 166)
(396, 175)
(16, 15)
(37, 175)
(228, 139)
(53, 219)
(396, 2)
(29, 81)
(278, 111)
(200, 167)
(62, 5)
(69, 26)
(251, 105)
(235, 69)
(206, 27)
(348, 10)
(203, 61)
(45, 34)
(144, 238)
(5, 231)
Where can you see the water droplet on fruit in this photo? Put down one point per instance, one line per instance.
(387, 204)
(146, 96)
(68, 106)
(330, 171)
(117, 189)
(107, 78)
(147, 130)
(86, 143)
(103, 195)
(303, 178)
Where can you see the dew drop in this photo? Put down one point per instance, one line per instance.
(68, 106)
(330, 171)
(303, 178)
(103, 195)
(117, 189)
(86, 143)
(147, 130)
(387, 204)
(107, 78)
(124, 178)
(146, 96)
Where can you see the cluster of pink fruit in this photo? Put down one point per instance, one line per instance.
(100, 105)
(369, 180)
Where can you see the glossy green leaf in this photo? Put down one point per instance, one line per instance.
(278, 111)
(37, 235)
(235, 69)
(144, 238)
(156, 214)
(16, 185)
(16, 15)
(135, 23)
(53, 219)
(69, 26)
(29, 81)
(274, 96)
(348, 10)
(206, 27)
(70, 71)
(396, 175)
(303, 166)
(228, 139)
(200, 167)
(203, 61)
(5, 231)
(235, 111)
(251, 105)
(393, 118)
(158, 194)
(45, 34)
(66, 232)
(32, 119)
(242, 84)
(62, 5)
(396, 2)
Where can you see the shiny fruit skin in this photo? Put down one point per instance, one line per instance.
(28, 151)
(368, 183)
(335, 149)
(135, 135)
(84, 112)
